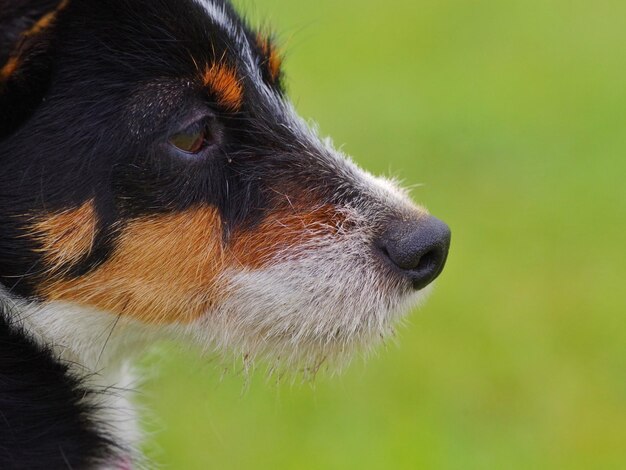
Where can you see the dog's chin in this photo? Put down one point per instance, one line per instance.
(295, 316)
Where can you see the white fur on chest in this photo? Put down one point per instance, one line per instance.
(100, 349)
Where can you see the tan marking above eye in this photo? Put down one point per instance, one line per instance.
(66, 237)
(223, 81)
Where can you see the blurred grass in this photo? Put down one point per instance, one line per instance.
(513, 115)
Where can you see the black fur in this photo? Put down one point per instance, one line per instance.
(44, 421)
(86, 117)
(113, 79)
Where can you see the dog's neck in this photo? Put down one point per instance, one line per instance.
(94, 342)
(99, 349)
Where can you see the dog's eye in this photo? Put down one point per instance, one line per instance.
(189, 143)
(193, 139)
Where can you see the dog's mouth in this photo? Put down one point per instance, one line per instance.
(324, 304)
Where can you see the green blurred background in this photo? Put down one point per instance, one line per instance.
(512, 113)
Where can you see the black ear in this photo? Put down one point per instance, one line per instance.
(27, 32)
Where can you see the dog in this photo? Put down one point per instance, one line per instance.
(154, 181)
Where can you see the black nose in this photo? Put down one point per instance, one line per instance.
(418, 248)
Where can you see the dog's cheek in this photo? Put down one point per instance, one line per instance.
(164, 269)
(65, 238)
(171, 268)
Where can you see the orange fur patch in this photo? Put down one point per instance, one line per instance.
(223, 81)
(9, 68)
(274, 59)
(66, 237)
(40, 25)
(46, 20)
(169, 268)
(164, 269)
(283, 231)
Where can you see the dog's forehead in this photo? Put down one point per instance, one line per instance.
(170, 38)
(154, 59)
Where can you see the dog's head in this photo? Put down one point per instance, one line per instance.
(152, 167)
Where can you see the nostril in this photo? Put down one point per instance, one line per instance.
(427, 261)
(429, 267)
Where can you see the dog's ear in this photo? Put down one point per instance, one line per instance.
(27, 34)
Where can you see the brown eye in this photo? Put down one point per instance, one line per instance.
(190, 141)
